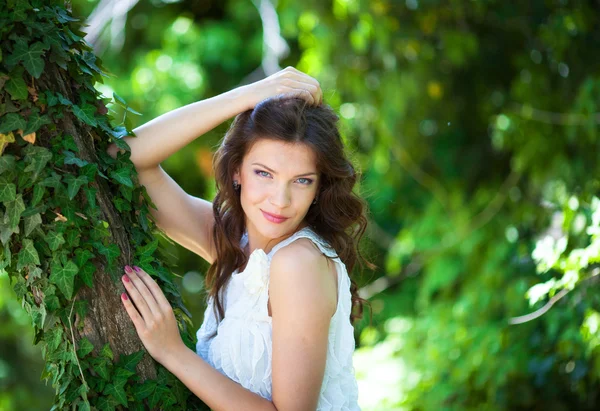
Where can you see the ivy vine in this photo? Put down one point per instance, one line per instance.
(55, 236)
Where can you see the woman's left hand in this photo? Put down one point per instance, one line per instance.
(153, 318)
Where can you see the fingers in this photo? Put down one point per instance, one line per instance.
(306, 91)
(153, 287)
(301, 82)
(138, 321)
(140, 295)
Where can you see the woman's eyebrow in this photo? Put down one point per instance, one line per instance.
(275, 172)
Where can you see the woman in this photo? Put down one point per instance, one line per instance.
(277, 331)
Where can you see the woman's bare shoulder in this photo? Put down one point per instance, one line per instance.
(301, 265)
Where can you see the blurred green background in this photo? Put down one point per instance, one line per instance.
(475, 124)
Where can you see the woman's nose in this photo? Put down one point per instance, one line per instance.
(280, 197)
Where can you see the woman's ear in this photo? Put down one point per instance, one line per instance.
(236, 176)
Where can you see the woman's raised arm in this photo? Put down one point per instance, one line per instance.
(166, 134)
(161, 137)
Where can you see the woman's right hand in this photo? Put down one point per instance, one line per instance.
(288, 81)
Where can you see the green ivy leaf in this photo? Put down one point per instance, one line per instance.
(155, 397)
(119, 100)
(19, 287)
(54, 240)
(74, 184)
(166, 396)
(30, 56)
(52, 303)
(19, 13)
(14, 209)
(63, 100)
(51, 98)
(86, 113)
(16, 87)
(31, 222)
(90, 59)
(123, 176)
(130, 361)
(142, 391)
(82, 256)
(7, 255)
(90, 195)
(90, 171)
(72, 237)
(7, 162)
(107, 352)
(121, 204)
(117, 391)
(38, 314)
(58, 354)
(38, 193)
(85, 347)
(35, 122)
(71, 158)
(127, 192)
(12, 122)
(62, 15)
(123, 374)
(98, 232)
(86, 273)
(74, 392)
(64, 277)
(37, 157)
(148, 249)
(84, 404)
(6, 232)
(53, 337)
(106, 403)
(111, 252)
(8, 191)
(27, 255)
(180, 391)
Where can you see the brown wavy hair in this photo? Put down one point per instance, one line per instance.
(339, 216)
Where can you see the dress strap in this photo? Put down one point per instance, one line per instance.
(306, 232)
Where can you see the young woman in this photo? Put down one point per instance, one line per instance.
(281, 235)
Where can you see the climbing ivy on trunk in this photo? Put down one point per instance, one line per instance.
(72, 217)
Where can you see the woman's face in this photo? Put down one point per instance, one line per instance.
(277, 180)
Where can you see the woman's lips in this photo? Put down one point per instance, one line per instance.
(272, 218)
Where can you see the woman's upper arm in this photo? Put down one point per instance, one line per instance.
(186, 219)
(303, 300)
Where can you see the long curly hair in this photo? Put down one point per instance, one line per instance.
(339, 214)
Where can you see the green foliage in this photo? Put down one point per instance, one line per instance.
(55, 239)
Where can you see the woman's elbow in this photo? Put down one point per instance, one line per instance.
(112, 150)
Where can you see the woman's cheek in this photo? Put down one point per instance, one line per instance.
(255, 190)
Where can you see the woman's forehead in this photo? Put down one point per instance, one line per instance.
(282, 156)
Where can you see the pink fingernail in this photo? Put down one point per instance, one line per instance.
(137, 269)
(128, 269)
(124, 296)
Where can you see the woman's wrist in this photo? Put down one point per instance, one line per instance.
(245, 97)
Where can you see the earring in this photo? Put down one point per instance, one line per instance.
(315, 202)
(235, 185)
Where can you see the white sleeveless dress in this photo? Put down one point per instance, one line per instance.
(242, 347)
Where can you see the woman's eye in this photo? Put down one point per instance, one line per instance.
(307, 181)
(260, 173)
